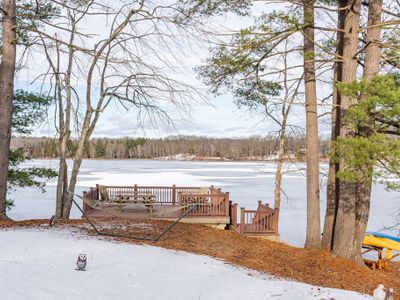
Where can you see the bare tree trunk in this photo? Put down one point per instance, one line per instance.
(64, 129)
(64, 122)
(78, 157)
(62, 182)
(313, 234)
(278, 172)
(343, 239)
(371, 68)
(332, 190)
(62, 143)
(64, 117)
(289, 97)
(373, 50)
(7, 70)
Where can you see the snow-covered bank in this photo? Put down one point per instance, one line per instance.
(41, 265)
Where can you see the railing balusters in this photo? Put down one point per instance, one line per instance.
(260, 221)
(212, 201)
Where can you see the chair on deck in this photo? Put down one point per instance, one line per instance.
(104, 196)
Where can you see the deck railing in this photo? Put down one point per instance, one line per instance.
(92, 194)
(262, 221)
(211, 202)
(163, 194)
(214, 203)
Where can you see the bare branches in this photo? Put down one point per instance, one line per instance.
(93, 69)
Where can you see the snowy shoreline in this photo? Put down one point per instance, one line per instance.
(181, 158)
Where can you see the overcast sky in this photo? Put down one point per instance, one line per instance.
(211, 116)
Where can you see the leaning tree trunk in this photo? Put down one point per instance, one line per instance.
(279, 166)
(64, 129)
(345, 225)
(78, 157)
(313, 234)
(332, 189)
(71, 187)
(371, 68)
(7, 70)
(62, 181)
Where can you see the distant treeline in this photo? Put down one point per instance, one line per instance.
(146, 148)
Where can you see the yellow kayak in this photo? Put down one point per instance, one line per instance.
(370, 240)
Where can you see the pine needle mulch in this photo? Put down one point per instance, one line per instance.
(314, 267)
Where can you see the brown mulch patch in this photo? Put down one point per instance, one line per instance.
(316, 267)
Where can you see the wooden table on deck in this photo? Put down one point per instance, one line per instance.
(147, 199)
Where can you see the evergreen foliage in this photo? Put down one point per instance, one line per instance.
(28, 111)
(202, 8)
(28, 15)
(375, 123)
(241, 65)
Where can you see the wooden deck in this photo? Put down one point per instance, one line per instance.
(205, 205)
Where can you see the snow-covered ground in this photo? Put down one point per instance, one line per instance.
(246, 181)
(40, 265)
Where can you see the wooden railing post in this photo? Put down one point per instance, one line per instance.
(97, 192)
(179, 199)
(242, 220)
(230, 213)
(135, 188)
(227, 204)
(234, 216)
(173, 194)
(85, 206)
(276, 221)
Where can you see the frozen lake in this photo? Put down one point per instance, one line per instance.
(246, 181)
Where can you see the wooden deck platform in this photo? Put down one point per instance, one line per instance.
(204, 205)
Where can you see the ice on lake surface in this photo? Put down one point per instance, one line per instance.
(246, 181)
